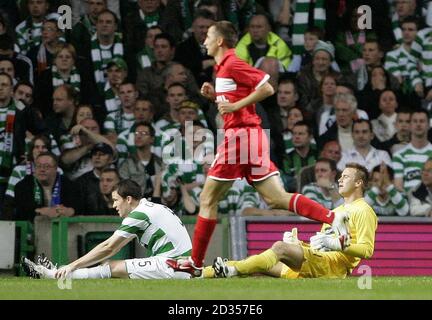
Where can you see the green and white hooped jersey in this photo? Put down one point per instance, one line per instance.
(158, 229)
(408, 164)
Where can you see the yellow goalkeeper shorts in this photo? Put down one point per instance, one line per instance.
(317, 265)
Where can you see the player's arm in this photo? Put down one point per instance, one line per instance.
(101, 252)
(263, 91)
(365, 225)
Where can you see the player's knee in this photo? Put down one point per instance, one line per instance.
(283, 250)
(277, 201)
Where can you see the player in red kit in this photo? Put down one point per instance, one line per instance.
(245, 149)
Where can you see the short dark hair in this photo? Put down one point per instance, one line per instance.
(110, 12)
(167, 37)
(362, 121)
(6, 42)
(204, 14)
(23, 83)
(304, 123)
(420, 110)
(331, 163)
(362, 173)
(227, 31)
(71, 93)
(316, 31)
(48, 154)
(411, 19)
(114, 170)
(148, 125)
(389, 169)
(129, 188)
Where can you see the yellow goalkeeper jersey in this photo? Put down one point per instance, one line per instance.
(362, 226)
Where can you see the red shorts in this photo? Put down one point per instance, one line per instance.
(244, 153)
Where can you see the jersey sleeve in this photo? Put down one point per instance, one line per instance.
(133, 225)
(243, 73)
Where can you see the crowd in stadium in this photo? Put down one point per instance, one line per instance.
(114, 98)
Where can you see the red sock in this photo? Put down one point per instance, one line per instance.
(308, 208)
(203, 231)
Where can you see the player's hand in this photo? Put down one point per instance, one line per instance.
(291, 236)
(208, 91)
(340, 223)
(63, 272)
(226, 107)
(329, 242)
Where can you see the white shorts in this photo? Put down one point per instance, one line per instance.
(152, 268)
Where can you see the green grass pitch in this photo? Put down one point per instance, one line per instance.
(256, 288)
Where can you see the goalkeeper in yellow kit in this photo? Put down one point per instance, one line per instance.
(328, 255)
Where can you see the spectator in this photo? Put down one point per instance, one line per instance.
(145, 57)
(42, 55)
(143, 112)
(64, 104)
(150, 79)
(63, 71)
(403, 9)
(384, 198)
(85, 28)
(402, 136)
(16, 120)
(47, 193)
(192, 54)
(39, 144)
(324, 108)
(77, 160)
(349, 42)
(120, 120)
(23, 65)
(101, 158)
(302, 155)
(143, 165)
(108, 181)
(29, 32)
(310, 76)
(341, 130)
(177, 73)
(420, 199)
(259, 42)
(138, 21)
(106, 44)
(325, 189)
(363, 153)
(311, 38)
(287, 97)
(117, 71)
(23, 91)
(403, 65)
(331, 151)
(408, 162)
(384, 126)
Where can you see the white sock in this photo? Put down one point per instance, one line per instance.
(99, 272)
(232, 271)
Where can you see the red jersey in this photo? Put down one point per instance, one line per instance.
(235, 79)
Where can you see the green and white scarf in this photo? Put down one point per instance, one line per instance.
(74, 78)
(91, 28)
(149, 20)
(7, 122)
(101, 57)
(300, 23)
(112, 101)
(55, 196)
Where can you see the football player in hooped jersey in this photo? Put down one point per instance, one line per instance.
(155, 226)
(238, 87)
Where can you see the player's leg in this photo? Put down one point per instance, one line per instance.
(267, 262)
(273, 193)
(151, 268)
(212, 192)
(118, 269)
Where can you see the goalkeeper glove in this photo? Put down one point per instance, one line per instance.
(340, 223)
(291, 236)
(329, 242)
